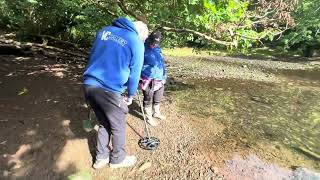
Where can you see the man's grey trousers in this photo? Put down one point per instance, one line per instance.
(110, 111)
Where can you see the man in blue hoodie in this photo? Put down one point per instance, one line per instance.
(115, 65)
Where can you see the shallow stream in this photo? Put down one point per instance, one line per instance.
(283, 115)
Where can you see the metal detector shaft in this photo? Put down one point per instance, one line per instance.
(144, 116)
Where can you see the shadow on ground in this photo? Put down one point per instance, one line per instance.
(42, 109)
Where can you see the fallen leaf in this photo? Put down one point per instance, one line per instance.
(144, 166)
(82, 175)
(23, 91)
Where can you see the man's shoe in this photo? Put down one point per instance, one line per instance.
(127, 162)
(99, 163)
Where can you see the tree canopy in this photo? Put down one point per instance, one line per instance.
(233, 24)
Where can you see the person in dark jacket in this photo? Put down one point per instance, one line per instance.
(115, 65)
(153, 78)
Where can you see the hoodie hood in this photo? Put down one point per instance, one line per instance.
(125, 24)
(116, 58)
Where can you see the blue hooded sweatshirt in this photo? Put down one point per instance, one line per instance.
(116, 58)
(153, 65)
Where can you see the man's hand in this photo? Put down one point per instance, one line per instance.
(128, 100)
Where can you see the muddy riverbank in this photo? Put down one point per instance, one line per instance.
(222, 116)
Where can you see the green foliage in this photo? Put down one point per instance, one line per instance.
(68, 19)
(307, 29)
(214, 18)
(232, 22)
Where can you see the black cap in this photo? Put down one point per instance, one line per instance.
(155, 37)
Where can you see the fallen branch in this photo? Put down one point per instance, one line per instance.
(103, 8)
(126, 10)
(61, 41)
(57, 49)
(18, 45)
(309, 153)
(225, 43)
(12, 36)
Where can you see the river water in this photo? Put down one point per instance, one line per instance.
(278, 121)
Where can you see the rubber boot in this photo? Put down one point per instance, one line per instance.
(150, 120)
(157, 113)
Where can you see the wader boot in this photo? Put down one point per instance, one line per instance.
(150, 120)
(157, 113)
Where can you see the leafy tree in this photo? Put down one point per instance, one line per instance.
(67, 19)
(229, 23)
(306, 33)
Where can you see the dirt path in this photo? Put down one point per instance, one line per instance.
(41, 137)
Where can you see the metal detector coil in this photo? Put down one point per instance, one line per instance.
(147, 143)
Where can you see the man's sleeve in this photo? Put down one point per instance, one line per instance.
(135, 68)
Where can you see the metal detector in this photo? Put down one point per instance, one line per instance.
(147, 143)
